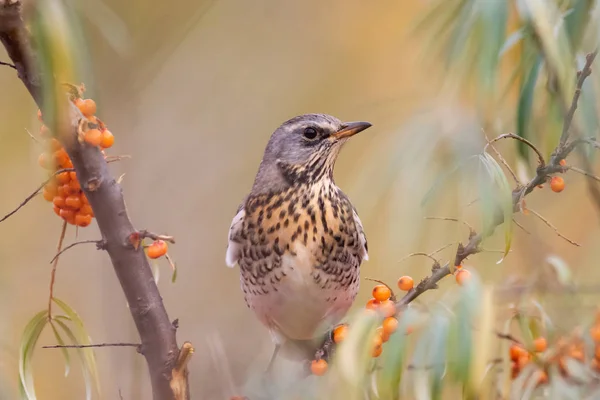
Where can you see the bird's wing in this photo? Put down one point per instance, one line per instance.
(234, 247)
(361, 236)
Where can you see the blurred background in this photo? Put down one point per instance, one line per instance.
(192, 91)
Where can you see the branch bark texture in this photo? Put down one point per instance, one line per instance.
(157, 334)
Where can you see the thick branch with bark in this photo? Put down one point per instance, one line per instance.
(157, 333)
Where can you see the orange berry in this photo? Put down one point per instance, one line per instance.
(372, 304)
(73, 175)
(73, 202)
(563, 163)
(540, 344)
(523, 360)
(597, 352)
(406, 283)
(157, 249)
(56, 210)
(84, 199)
(45, 131)
(63, 178)
(339, 333)
(60, 191)
(542, 378)
(86, 209)
(557, 184)
(67, 214)
(69, 190)
(458, 266)
(390, 324)
(45, 161)
(107, 139)
(83, 220)
(61, 157)
(75, 186)
(387, 308)
(93, 137)
(51, 187)
(515, 371)
(381, 293)
(39, 115)
(377, 351)
(318, 367)
(48, 196)
(377, 340)
(381, 333)
(595, 333)
(59, 201)
(577, 354)
(87, 107)
(516, 351)
(54, 144)
(463, 276)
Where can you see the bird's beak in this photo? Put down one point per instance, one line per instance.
(350, 129)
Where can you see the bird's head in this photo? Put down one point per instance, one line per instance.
(304, 149)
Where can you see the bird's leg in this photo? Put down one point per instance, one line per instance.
(272, 361)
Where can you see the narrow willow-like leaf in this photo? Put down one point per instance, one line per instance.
(64, 351)
(492, 23)
(512, 40)
(504, 200)
(443, 178)
(576, 20)
(80, 336)
(525, 107)
(463, 27)
(29, 339)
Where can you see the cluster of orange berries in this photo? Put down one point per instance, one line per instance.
(64, 189)
(573, 348)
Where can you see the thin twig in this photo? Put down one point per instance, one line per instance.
(32, 195)
(541, 160)
(31, 136)
(419, 254)
(53, 273)
(453, 220)
(100, 245)
(555, 229)
(147, 234)
(521, 226)
(582, 172)
(110, 159)
(85, 346)
(583, 74)
(502, 160)
(8, 65)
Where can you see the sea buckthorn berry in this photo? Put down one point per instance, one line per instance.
(67, 214)
(458, 266)
(45, 161)
(381, 293)
(59, 201)
(557, 184)
(463, 276)
(406, 283)
(86, 209)
(45, 131)
(516, 351)
(48, 196)
(523, 360)
(83, 220)
(376, 351)
(73, 175)
(60, 191)
(595, 333)
(372, 304)
(542, 378)
(56, 210)
(157, 249)
(597, 352)
(93, 137)
(84, 199)
(74, 186)
(387, 308)
(73, 202)
(107, 139)
(63, 178)
(540, 344)
(378, 339)
(339, 333)
(87, 107)
(390, 324)
(563, 163)
(54, 144)
(70, 190)
(61, 157)
(318, 367)
(381, 333)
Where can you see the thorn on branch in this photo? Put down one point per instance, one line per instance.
(582, 172)
(100, 245)
(146, 234)
(555, 229)
(8, 65)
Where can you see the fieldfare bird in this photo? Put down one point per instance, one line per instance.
(297, 237)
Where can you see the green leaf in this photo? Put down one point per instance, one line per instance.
(29, 339)
(525, 107)
(494, 16)
(64, 351)
(80, 336)
(504, 198)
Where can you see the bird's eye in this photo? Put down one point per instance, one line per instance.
(310, 133)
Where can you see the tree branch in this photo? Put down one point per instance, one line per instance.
(131, 266)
